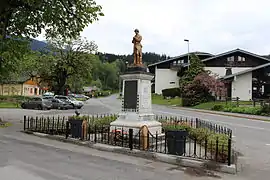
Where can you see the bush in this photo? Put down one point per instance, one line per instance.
(196, 93)
(102, 93)
(171, 92)
(245, 110)
(217, 107)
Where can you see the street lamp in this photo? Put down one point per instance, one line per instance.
(186, 40)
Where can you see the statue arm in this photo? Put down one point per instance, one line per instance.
(138, 38)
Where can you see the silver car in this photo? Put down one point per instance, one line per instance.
(37, 103)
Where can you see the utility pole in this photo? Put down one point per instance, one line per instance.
(186, 40)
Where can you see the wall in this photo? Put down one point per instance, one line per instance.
(221, 71)
(164, 79)
(10, 89)
(242, 87)
(29, 90)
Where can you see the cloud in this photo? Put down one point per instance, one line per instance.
(210, 25)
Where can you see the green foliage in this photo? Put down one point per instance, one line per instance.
(58, 18)
(176, 127)
(12, 53)
(203, 135)
(171, 92)
(148, 58)
(195, 93)
(244, 110)
(158, 99)
(217, 107)
(102, 93)
(196, 67)
(68, 59)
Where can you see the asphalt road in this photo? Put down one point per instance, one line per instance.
(251, 136)
(28, 157)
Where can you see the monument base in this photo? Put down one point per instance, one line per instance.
(134, 120)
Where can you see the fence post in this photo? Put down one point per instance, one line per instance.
(95, 137)
(24, 123)
(254, 103)
(237, 101)
(229, 151)
(130, 139)
(67, 129)
(217, 149)
(156, 141)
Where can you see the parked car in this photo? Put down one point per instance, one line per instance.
(74, 103)
(81, 96)
(59, 104)
(37, 103)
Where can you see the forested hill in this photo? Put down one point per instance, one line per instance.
(148, 57)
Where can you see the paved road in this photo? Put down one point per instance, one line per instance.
(24, 156)
(251, 136)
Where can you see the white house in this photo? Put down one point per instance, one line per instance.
(245, 73)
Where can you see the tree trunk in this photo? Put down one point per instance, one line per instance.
(61, 83)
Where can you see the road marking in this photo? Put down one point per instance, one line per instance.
(267, 144)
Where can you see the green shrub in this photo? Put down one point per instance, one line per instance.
(171, 92)
(176, 127)
(199, 134)
(265, 109)
(217, 107)
(102, 93)
(244, 110)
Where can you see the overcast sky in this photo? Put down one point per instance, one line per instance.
(211, 26)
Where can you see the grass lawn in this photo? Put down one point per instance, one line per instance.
(158, 99)
(4, 125)
(210, 105)
(6, 104)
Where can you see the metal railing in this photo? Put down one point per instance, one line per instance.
(214, 144)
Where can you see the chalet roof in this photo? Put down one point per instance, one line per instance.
(236, 50)
(246, 71)
(181, 56)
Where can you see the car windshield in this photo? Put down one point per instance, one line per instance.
(72, 99)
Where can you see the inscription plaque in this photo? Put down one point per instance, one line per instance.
(130, 95)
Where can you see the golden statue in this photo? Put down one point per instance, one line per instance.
(137, 48)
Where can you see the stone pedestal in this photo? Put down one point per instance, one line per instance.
(137, 102)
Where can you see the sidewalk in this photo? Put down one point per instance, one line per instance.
(238, 115)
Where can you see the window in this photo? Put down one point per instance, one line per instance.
(240, 58)
(178, 62)
(230, 59)
(172, 82)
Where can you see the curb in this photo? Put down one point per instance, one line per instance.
(224, 114)
(170, 159)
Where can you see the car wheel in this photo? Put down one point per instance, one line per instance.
(40, 107)
(79, 107)
(73, 106)
(23, 106)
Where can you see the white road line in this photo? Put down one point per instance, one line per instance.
(267, 144)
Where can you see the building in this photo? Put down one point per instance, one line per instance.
(166, 71)
(246, 74)
(23, 86)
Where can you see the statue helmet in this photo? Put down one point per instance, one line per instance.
(136, 30)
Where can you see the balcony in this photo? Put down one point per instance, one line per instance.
(176, 67)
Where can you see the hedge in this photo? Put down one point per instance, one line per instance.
(171, 92)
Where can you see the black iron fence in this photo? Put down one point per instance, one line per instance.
(201, 140)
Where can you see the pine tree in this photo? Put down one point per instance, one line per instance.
(195, 68)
